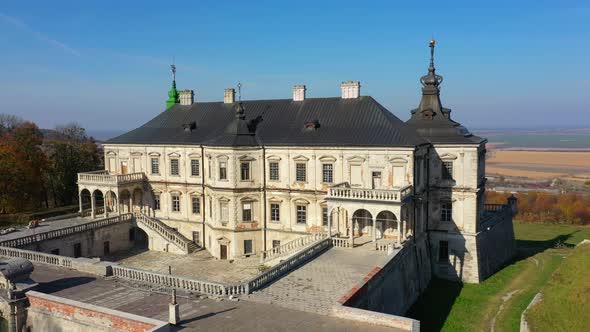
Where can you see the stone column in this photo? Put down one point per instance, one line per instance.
(80, 201)
(330, 224)
(399, 232)
(405, 223)
(92, 206)
(374, 230)
(104, 200)
(351, 232)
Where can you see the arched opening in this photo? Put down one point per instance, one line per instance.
(139, 238)
(98, 202)
(125, 201)
(387, 224)
(137, 199)
(85, 196)
(340, 221)
(362, 222)
(111, 199)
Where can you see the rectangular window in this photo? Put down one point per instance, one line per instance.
(157, 202)
(376, 176)
(275, 212)
(209, 168)
(446, 212)
(174, 170)
(247, 212)
(155, 166)
(224, 212)
(175, 203)
(325, 216)
(443, 251)
(327, 173)
(222, 170)
(301, 172)
(245, 171)
(195, 167)
(276, 243)
(447, 170)
(196, 204)
(301, 214)
(247, 247)
(274, 171)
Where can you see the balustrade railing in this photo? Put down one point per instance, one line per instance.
(172, 281)
(290, 247)
(494, 207)
(344, 191)
(165, 231)
(287, 265)
(386, 247)
(103, 177)
(29, 239)
(340, 242)
(37, 257)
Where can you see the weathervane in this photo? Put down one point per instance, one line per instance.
(173, 69)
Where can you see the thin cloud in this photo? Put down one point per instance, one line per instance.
(24, 27)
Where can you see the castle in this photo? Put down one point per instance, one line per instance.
(242, 177)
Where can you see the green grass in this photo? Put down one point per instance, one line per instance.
(450, 306)
(566, 297)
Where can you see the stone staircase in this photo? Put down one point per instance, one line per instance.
(167, 232)
(290, 247)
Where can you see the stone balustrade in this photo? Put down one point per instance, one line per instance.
(340, 242)
(385, 247)
(104, 178)
(494, 207)
(344, 191)
(30, 239)
(177, 282)
(37, 257)
(287, 265)
(290, 247)
(167, 232)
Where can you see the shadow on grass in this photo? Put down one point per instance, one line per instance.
(434, 305)
(528, 248)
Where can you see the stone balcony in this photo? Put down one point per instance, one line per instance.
(343, 191)
(103, 177)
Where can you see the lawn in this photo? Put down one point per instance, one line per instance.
(566, 297)
(500, 299)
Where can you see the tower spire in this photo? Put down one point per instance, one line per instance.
(431, 80)
(173, 97)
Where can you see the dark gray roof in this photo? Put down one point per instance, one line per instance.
(330, 122)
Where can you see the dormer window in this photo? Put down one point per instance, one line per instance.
(311, 125)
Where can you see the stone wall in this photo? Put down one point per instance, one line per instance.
(496, 247)
(395, 285)
(461, 263)
(92, 242)
(52, 313)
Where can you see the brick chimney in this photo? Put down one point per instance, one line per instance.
(299, 92)
(351, 89)
(187, 97)
(229, 96)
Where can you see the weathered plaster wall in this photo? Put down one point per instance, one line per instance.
(52, 313)
(394, 286)
(496, 247)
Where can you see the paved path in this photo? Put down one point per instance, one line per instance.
(319, 284)
(197, 314)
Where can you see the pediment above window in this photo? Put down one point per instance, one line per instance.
(327, 159)
(223, 157)
(275, 200)
(448, 156)
(273, 158)
(195, 155)
(301, 158)
(224, 200)
(136, 154)
(398, 161)
(174, 155)
(111, 153)
(356, 160)
(154, 154)
(301, 201)
(246, 158)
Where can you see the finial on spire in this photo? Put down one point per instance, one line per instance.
(432, 44)
(239, 91)
(173, 70)
(431, 79)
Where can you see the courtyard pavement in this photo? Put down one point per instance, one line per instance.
(197, 314)
(199, 265)
(319, 284)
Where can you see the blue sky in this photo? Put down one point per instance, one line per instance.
(105, 64)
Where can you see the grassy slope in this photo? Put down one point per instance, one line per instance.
(566, 297)
(451, 306)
